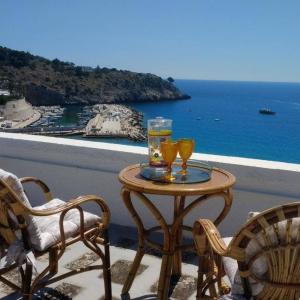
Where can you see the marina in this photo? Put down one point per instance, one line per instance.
(100, 120)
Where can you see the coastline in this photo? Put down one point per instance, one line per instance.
(96, 121)
(241, 131)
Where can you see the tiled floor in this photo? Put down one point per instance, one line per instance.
(89, 285)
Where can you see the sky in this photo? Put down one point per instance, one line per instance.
(252, 40)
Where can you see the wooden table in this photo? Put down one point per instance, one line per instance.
(219, 185)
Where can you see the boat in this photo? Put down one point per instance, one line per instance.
(266, 111)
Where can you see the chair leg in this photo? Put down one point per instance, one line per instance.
(27, 293)
(206, 278)
(106, 269)
(53, 261)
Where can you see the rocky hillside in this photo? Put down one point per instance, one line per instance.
(54, 82)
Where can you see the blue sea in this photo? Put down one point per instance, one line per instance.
(223, 117)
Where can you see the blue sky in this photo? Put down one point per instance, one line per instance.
(197, 39)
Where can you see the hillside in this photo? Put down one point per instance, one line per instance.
(54, 82)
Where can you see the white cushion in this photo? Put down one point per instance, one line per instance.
(231, 270)
(15, 184)
(49, 226)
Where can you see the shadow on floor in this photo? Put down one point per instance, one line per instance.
(126, 237)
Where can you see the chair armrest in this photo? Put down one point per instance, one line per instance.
(211, 247)
(74, 203)
(204, 230)
(41, 184)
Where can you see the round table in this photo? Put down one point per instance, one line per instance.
(220, 185)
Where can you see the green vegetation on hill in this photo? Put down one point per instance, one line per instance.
(5, 99)
(46, 82)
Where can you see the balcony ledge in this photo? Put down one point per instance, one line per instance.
(75, 167)
(249, 162)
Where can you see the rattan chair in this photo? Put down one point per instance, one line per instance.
(27, 232)
(262, 261)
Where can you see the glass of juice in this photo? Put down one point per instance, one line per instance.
(169, 150)
(159, 130)
(185, 149)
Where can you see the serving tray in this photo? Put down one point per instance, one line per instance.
(196, 172)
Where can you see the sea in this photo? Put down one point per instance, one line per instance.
(223, 117)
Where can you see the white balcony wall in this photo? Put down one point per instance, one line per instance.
(72, 168)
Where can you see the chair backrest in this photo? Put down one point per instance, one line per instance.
(14, 207)
(268, 254)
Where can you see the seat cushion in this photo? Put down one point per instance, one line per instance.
(49, 231)
(259, 266)
(231, 270)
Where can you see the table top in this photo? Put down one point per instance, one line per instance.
(220, 180)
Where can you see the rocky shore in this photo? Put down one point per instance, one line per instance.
(113, 120)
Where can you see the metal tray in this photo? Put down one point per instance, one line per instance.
(196, 172)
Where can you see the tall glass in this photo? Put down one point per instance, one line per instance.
(159, 130)
(185, 149)
(169, 152)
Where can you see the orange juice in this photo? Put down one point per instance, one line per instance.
(159, 130)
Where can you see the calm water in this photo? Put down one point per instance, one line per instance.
(223, 118)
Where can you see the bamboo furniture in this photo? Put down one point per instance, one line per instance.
(265, 252)
(15, 218)
(171, 248)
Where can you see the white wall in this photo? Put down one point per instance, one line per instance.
(73, 168)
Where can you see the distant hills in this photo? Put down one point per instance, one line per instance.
(54, 82)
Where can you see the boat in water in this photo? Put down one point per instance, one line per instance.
(267, 111)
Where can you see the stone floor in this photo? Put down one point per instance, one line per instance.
(89, 285)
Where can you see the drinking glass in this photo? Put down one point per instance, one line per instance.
(169, 152)
(185, 149)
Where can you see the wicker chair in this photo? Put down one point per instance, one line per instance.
(28, 232)
(262, 261)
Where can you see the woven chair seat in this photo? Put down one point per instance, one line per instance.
(48, 228)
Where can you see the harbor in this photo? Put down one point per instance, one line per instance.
(93, 121)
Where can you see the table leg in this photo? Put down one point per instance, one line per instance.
(177, 259)
(164, 277)
(133, 270)
(141, 240)
(165, 273)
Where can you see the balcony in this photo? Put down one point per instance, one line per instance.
(73, 167)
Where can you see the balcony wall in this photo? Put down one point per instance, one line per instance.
(72, 168)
